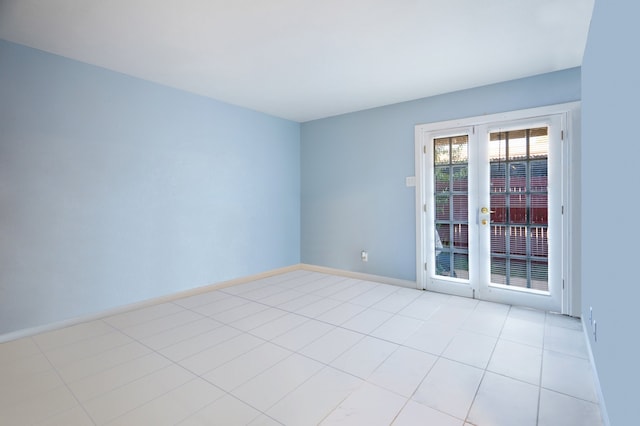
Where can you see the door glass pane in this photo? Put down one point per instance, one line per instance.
(451, 206)
(461, 265)
(499, 208)
(460, 208)
(519, 205)
(498, 177)
(441, 151)
(518, 208)
(516, 144)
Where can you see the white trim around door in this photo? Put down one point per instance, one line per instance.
(466, 140)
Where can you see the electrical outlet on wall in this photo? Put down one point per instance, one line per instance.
(364, 256)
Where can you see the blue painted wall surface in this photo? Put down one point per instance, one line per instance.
(354, 167)
(611, 151)
(115, 190)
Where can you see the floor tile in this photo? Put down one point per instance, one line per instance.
(302, 335)
(527, 314)
(328, 285)
(569, 375)
(432, 337)
(397, 300)
(367, 321)
(502, 401)
(518, 361)
(374, 295)
(73, 352)
(162, 324)
(39, 408)
(295, 305)
(14, 392)
(368, 405)
(238, 312)
(397, 329)
(341, 313)
(493, 308)
(264, 390)
(523, 331)
(173, 406)
(102, 361)
(564, 321)
(117, 402)
(357, 289)
(331, 345)
(315, 309)
(417, 414)
(470, 348)
(403, 371)
(364, 357)
(142, 315)
(463, 302)
(180, 333)
(105, 381)
(264, 420)
(17, 349)
(278, 326)
(304, 348)
(196, 344)
(487, 323)
(13, 370)
(565, 340)
(449, 387)
(259, 318)
(421, 308)
(221, 305)
(452, 315)
(245, 367)
(73, 334)
(76, 416)
(226, 410)
(561, 410)
(278, 299)
(260, 293)
(312, 279)
(314, 399)
(215, 356)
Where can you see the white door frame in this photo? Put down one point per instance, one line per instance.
(570, 112)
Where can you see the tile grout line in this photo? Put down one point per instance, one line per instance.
(484, 371)
(66, 385)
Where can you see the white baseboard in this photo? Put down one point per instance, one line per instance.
(603, 408)
(142, 304)
(198, 290)
(359, 276)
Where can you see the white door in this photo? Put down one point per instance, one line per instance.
(520, 213)
(491, 220)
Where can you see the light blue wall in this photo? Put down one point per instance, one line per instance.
(354, 167)
(611, 152)
(115, 190)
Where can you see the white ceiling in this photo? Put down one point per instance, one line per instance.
(309, 59)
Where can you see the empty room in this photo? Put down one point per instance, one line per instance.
(318, 213)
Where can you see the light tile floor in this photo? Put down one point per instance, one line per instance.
(305, 348)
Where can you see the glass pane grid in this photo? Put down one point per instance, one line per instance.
(518, 194)
(451, 206)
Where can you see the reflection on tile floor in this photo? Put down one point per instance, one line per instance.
(305, 348)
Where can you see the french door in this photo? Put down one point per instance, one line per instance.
(491, 221)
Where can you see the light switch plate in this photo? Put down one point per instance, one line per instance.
(410, 181)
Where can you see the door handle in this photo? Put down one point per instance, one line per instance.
(485, 210)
